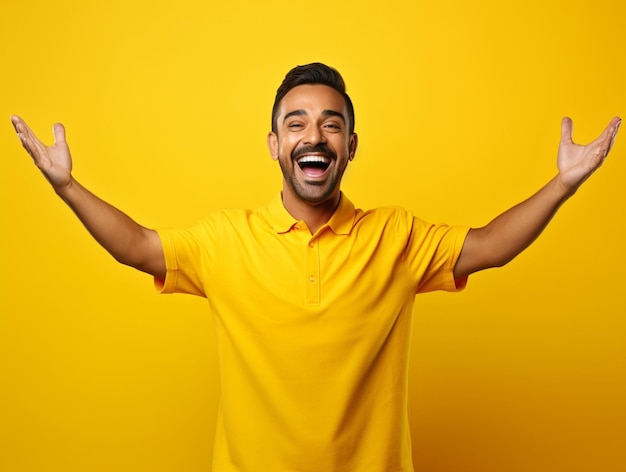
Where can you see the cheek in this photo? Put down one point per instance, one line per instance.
(286, 147)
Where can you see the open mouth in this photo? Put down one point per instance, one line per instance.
(314, 165)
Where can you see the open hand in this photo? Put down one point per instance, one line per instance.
(576, 162)
(55, 162)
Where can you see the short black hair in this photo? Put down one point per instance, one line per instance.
(314, 73)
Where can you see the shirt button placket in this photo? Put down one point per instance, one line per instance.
(313, 273)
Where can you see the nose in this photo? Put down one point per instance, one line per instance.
(314, 135)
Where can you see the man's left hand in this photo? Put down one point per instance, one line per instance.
(577, 162)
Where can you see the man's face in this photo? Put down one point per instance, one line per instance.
(312, 142)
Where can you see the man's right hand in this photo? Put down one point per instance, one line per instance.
(126, 240)
(55, 162)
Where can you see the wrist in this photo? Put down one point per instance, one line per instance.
(63, 190)
(563, 188)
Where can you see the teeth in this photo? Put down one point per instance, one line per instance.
(307, 159)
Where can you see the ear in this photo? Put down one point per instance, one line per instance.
(354, 142)
(272, 144)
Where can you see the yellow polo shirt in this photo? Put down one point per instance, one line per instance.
(313, 331)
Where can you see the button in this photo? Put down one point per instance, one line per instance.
(312, 279)
(311, 244)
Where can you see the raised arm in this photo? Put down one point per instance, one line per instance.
(513, 231)
(127, 241)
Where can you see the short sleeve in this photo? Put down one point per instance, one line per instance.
(187, 257)
(432, 253)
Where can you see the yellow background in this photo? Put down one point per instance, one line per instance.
(167, 107)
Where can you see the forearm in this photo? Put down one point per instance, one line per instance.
(127, 241)
(514, 230)
(506, 236)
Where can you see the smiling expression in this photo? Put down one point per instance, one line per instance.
(312, 143)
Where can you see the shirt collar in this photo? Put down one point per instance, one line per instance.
(279, 218)
(341, 222)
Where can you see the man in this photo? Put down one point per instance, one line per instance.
(312, 298)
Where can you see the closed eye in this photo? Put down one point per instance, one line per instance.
(333, 126)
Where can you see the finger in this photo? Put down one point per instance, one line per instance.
(566, 130)
(29, 141)
(606, 139)
(15, 121)
(19, 125)
(615, 128)
(21, 128)
(59, 133)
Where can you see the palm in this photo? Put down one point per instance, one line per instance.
(576, 162)
(55, 161)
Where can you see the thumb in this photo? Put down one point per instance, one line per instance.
(566, 130)
(59, 133)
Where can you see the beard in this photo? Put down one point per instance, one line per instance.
(310, 192)
(314, 192)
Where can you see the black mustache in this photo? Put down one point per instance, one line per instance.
(320, 148)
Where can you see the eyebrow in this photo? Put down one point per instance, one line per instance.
(324, 113)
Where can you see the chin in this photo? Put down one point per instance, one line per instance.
(322, 196)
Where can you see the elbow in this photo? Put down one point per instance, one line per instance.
(497, 259)
(498, 262)
(126, 260)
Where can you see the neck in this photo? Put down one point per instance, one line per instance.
(315, 215)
